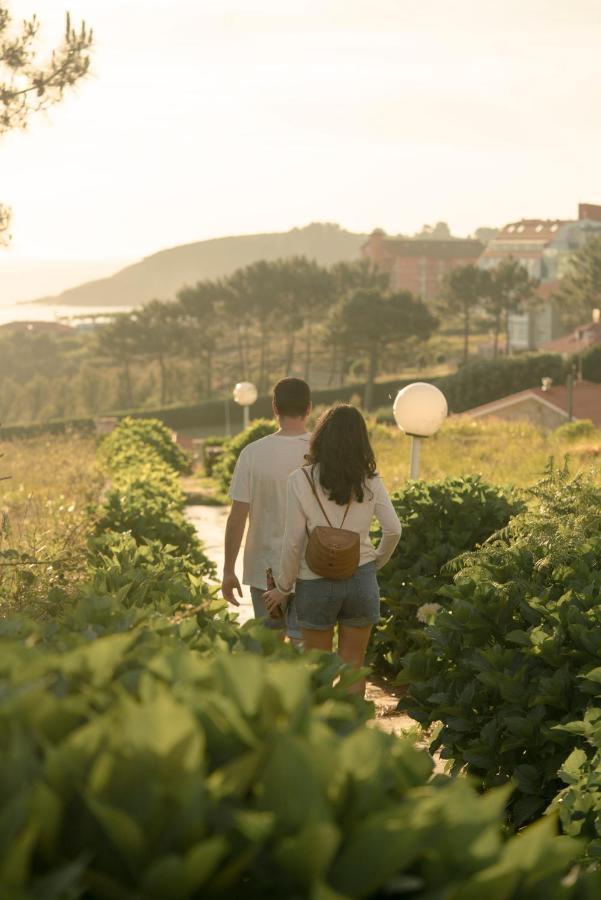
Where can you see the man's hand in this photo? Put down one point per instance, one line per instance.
(230, 584)
(274, 598)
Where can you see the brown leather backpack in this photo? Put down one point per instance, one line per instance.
(331, 552)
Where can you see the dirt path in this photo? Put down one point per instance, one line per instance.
(209, 522)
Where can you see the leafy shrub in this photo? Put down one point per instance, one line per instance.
(132, 766)
(146, 499)
(580, 429)
(508, 661)
(134, 440)
(150, 506)
(440, 520)
(233, 448)
(579, 803)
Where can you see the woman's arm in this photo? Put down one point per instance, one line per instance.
(389, 523)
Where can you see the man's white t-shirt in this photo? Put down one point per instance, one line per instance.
(260, 479)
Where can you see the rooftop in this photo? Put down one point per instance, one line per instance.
(586, 401)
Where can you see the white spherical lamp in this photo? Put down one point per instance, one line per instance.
(245, 394)
(419, 410)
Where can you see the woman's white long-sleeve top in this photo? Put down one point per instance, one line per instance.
(303, 512)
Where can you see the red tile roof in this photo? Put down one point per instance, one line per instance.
(531, 230)
(586, 400)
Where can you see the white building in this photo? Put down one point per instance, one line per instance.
(544, 247)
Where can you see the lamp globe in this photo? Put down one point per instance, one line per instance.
(420, 409)
(245, 393)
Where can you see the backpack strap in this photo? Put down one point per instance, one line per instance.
(311, 481)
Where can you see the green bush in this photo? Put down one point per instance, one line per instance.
(579, 803)
(136, 440)
(508, 660)
(224, 469)
(132, 767)
(440, 520)
(149, 504)
(146, 499)
(579, 430)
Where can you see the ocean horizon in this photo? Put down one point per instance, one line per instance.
(51, 312)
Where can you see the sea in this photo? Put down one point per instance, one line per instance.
(42, 312)
(22, 280)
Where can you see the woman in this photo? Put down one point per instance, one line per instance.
(343, 468)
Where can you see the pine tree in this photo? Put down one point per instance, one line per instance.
(28, 85)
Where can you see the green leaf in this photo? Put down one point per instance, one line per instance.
(166, 879)
(379, 848)
(571, 770)
(518, 637)
(294, 780)
(202, 860)
(307, 855)
(123, 832)
(255, 825)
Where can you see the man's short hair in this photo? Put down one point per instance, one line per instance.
(292, 397)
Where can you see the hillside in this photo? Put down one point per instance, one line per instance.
(163, 274)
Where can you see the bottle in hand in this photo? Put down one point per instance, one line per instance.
(276, 612)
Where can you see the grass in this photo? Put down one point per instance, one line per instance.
(505, 453)
(44, 516)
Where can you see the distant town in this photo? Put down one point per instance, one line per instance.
(543, 246)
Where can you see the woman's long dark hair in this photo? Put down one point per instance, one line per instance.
(340, 447)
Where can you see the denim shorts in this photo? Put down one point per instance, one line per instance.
(321, 603)
(289, 620)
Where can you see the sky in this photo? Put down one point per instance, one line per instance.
(204, 118)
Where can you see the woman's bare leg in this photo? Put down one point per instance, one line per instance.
(352, 644)
(314, 639)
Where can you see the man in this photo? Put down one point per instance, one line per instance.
(258, 492)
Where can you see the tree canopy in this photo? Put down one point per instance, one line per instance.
(464, 290)
(511, 288)
(581, 288)
(368, 319)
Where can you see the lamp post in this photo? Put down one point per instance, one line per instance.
(245, 394)
(419, 410)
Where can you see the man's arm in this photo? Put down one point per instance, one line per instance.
(234, 532)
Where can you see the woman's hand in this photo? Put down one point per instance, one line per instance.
(274, 598)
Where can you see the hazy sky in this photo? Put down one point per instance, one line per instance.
(211, 117)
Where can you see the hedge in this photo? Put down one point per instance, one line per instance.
(481, 381)
(591, 364)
